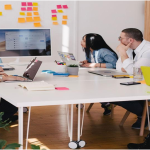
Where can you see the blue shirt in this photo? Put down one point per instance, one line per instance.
(104, 55)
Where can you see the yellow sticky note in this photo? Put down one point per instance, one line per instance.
(65, 17)
(35, 13)
(75, 76)
(29, 13)
(35, 9)
(64, 22)
(22, 13)
(8, 7)
(35, 4)
(60, 11)
(37, 25)
(29, 19)
(54, 18)
(1, 13)
(21, 20)
(55, 23)
(36, 19)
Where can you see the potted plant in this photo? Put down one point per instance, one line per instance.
(73, 69)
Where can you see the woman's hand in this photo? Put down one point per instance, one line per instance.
(4, 74)
(1, 69)
(13, 78)
(84, 62)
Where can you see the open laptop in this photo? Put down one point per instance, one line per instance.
(30, 71)
(107, 73)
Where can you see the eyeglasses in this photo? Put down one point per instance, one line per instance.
(120, 38)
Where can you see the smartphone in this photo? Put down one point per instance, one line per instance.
(130, 83)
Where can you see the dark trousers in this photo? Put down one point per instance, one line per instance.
(8, 109)
(135, 107)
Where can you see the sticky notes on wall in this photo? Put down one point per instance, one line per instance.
(35, 8)
(29, 8)
(29, 19)
(59, 7)
(29, 13)
(22, 13)
(65, 17)
(35, 4)
(36, 18)
(55, 23)
(1, 13)
(65, 6)
(21, 20)
(23, 4)
(35, 13)
(37, 25)
(23, 8)
(60, 11)
(8, 7)
(54, 11)
(29, 3)
(64, 22)
(54, 18)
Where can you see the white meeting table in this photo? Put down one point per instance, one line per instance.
(87, 88)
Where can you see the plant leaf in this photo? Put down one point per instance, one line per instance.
(12, 146)
(35, 147)
(2, 143)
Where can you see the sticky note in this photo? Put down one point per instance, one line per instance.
(24, 4)
(142, 82)
(61, 88)
(60, 11)
(73, 76)
(35, 4)
(23, 8)
(36, 18)
(8, 7)
(64, 22)
(1, 13)
(22, 13)
(65, 6)
(53, 11)
(29, 8)
(55, 23)
(37, 25)
(29, 13)
(35, 13)
(21, 20)
(29, 19)
(29, 3)
(65, 17)
(35, 8)
(54, 18)
(59, 7)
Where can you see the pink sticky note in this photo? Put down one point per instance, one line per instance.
(54, 11)
(54, 16)
(65, 6)
(29, 8)
(59, 7)
(29, 3)
(23, 4)
(61, 88)
(23, 9)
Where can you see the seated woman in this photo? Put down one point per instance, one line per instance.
(98, 54)
(8, 109)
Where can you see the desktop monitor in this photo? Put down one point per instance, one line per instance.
(25, 42)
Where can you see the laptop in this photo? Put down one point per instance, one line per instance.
(146, 74)
(6, 67)
(107, 73)
(30, 71)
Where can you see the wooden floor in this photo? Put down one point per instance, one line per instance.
(49, 129)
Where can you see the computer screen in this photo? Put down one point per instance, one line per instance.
(25, 42)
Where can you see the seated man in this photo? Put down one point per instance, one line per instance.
(132, 47)
(8, 109)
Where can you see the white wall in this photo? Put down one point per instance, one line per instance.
(102, 17)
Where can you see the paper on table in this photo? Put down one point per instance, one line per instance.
(21, 20)
(64, 22)
(55, 23)
(59, 6)
(29, 19)
(35, 8)
(29, 8)
(60, 11)
(35, 4)
(37, 24)
(65, 17)
(8, 7)
(29, 3)
(53, 11)
(29, 13)
(23, 9)
(24, 4)
(35, 13)
(22, 13)
(54, 18)
(65, 6)
(36, 18)
(1, 13)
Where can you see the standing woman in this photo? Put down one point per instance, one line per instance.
(97, 52)
(100, 55)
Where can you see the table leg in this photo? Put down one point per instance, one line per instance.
(20, 129)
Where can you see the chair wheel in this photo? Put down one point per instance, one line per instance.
(73, 145)
(81, 106)
(25, 109)
(81, 143)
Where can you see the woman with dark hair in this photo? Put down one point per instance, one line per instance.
(98, 53)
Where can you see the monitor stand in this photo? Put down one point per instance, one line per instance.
(18, 63)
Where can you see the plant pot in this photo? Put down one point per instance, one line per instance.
(73, 70)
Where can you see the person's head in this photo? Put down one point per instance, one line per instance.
(131, 35)
(93, 41)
